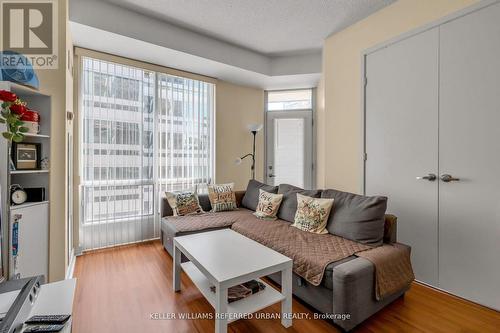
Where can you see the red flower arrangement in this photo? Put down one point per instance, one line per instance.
(7, 96)
(12, 109)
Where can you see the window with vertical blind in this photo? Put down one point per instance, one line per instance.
(142, 133)
(185, 129)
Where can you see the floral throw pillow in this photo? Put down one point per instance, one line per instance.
(184, 203)
(268, 205)
(312, 214)
(222, 197)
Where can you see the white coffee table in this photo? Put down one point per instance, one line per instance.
(224, 258)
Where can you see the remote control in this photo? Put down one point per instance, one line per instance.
(48, 319)
(43, 328)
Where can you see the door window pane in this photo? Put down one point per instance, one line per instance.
(289, 100)
(289, 151)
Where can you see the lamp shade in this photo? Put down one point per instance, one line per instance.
(254, 127)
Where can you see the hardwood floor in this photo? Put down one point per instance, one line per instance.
(118, 290)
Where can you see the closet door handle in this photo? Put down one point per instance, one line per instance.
(449, 178)
(430, 177)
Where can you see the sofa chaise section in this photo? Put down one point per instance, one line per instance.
(172, 226)
(346, 294)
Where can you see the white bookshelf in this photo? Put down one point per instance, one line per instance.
(24, 172)
(33, 242)
(31, 135)
(21, 90)
(28, 204)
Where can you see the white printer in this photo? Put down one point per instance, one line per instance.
(24, 298)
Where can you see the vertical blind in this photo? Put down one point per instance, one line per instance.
(185, 128)
(141, 133)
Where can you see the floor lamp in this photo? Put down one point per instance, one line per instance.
(253, 128)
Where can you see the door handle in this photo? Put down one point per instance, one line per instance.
(449, 178)
(271, 175)
(430, 177)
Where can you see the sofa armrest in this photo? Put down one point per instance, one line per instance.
(354, 292)
(239, 197)
(165, 209)
(353, 284)
(390, 229)
(352, 271)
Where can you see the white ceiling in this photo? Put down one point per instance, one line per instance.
(118, 44)
(270, 44)
(269, 27)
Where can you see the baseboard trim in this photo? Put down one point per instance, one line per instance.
(118, 246)
(439, 290)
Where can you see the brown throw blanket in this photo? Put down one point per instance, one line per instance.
(393, 270)
(311, 253)
(207, 220)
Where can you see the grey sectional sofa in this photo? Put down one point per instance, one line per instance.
(346, 294)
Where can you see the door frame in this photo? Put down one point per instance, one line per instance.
(313, 131)
(363, 79)
(294, 114)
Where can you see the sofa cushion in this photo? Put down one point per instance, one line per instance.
(302, 289)
(357, 217)
(205, 221)
(289, 203)
(311, 253)
(174, 226)
(251, 197)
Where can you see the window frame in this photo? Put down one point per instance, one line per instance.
(314, 131)
(267, 109)
(140, 182)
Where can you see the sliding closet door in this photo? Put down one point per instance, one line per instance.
(401, 120)
(469, 222)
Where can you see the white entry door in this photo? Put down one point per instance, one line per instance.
(289, 148)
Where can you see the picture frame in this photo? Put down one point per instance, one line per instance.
(26, 155)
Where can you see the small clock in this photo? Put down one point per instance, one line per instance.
(17, 194)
